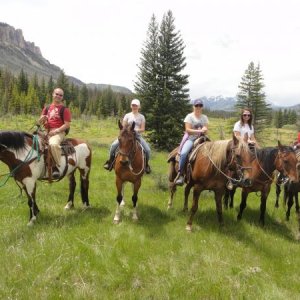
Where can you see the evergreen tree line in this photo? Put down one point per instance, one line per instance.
(23, 95)
(284, 117)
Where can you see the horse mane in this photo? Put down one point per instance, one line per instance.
(266, 157)
(216, 151)
(13, 139)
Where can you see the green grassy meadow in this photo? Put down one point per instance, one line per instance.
(81, 254)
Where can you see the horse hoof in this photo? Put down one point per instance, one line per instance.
(135, 218)
(122, 203)
(69, 206)
(169, 207)
(116, 221)
(31, 222)
(188, 228)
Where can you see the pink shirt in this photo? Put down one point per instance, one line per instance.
(53, 116)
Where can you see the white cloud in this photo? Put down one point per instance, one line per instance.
(100, 41)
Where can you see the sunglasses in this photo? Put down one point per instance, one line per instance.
(60, 95)
(198, 105)
(246, 115)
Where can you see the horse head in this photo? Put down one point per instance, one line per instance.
(286, 162)
(240, 161)
(127, 143)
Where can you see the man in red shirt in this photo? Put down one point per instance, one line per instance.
(51, 118)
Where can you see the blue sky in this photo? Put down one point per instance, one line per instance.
(101, 41)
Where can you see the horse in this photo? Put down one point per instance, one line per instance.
(129, 167)
(209, 171)
(265, 161)
(23, 154)
(291, 190)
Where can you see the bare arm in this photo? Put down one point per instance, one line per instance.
(190, 130)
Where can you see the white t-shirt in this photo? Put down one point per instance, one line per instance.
(243, 129)
(138, 118)
(196, 122)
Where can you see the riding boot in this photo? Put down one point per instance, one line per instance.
(180, 179)
(147, 167)
(109, 163)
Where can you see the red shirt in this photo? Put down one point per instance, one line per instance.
(53, 116)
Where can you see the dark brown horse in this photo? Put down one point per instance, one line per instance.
(21, 152)
(129, 167)
(265, 161)
(209, 172)
(291, 190)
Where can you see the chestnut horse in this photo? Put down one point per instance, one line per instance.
(209, 172)
(22, 153)
(291, 190)
(265, 161)
(129, 167)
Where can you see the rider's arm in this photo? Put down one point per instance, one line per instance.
(190, 130)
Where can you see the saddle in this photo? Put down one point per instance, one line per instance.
(174, 155)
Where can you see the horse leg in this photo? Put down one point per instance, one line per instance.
(226, 197)
(123, 200)
(172, 191)
(119, 185)
(136, 187)
(263, 203)
(186, 196)
(231, 194)
(194, 208)
(33, 208)
(243, 204)
(84, 189)
(278, 190)
(172, 185)
(72, 186)
(290, 203)
(218, 200)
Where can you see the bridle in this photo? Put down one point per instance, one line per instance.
(132, 153)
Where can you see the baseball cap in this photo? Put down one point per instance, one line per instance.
(136, 102)
(198, 102)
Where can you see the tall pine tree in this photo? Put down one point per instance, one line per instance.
(161, 83)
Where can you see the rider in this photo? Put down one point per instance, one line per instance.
(139, 119)
(244, 126)
(196, 124)
(52, 119)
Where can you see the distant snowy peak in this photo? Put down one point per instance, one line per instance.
(219, 103)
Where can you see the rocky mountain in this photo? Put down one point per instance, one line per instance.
(219, 103)
(16, 53)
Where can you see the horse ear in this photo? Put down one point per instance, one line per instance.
(120, 125)
(279, 145)
(235, 139)
(132, 126)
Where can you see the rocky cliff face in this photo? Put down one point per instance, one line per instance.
(11, 36)
(17, 54)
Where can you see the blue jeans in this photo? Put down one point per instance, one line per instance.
(115, 145)
(186, 148)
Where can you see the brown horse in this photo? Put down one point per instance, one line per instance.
(129, 167)
(265, 161)
(209, 172)
(291, 190)
(21, 152)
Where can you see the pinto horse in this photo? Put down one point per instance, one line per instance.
(21, 152)
(265, 161)
(209, 171)
(129, 167)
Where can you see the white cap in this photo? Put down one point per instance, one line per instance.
(136, 102)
